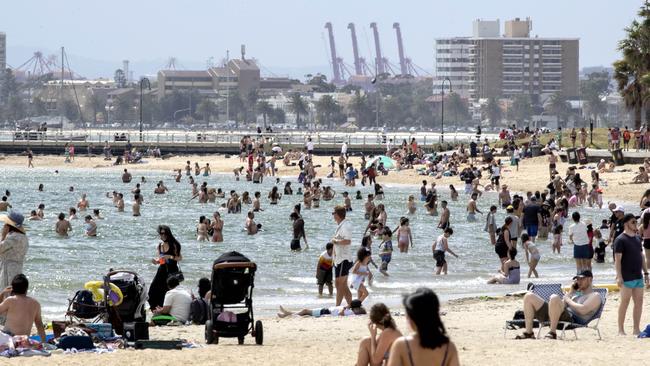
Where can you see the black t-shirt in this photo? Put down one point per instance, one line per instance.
(469, 177)
(617, 226)
(530, 215)
(472, 148)
(632, 260)
(298, 228)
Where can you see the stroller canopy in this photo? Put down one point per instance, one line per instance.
(231, 257)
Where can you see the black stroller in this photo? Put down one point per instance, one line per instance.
(134, 297)
(233, 277)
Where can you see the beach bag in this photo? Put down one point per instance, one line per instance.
(76, 342)
(84, 306)
(199, 311)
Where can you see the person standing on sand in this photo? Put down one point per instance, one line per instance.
(62, 227)
(552, 160)
(631, 273)
(13, 247)
(342, 241)
(30, 158)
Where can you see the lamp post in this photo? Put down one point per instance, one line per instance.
(143, 82)
(442, 109)
(374, 81)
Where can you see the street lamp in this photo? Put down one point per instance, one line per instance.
(375, 80)
(442, 109)
(143, 81)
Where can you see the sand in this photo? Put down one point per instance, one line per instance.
(475, 325)
(532, 174)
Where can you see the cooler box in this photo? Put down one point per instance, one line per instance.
(617, 155)
(572, 156)
(582, 156)
(136, 331)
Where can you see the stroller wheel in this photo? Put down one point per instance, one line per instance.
(240, 340)
(259, 333)
(209, 334)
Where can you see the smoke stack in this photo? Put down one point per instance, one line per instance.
(243, 52)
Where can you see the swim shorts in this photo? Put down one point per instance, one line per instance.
(634, 283)
(295, 244)
(439, 256)
(324, 277)
(581, 251)
(342, 269)
(532, 230)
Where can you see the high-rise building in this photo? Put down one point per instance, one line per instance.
(488, 65)
(3, 52)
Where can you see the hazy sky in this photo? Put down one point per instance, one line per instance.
(285, 34)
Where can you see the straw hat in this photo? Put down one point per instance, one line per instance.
(15, 220)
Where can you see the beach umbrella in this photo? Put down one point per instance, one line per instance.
(388, 162)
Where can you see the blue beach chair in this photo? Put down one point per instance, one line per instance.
(542, 290)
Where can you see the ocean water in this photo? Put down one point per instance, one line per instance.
(58, 267)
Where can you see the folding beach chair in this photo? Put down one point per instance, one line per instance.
(594, 319)
(542, 290)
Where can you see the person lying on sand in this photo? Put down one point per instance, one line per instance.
(355, 308)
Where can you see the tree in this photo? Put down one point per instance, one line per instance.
(457, 107)
(558, 106)
(298, 107)
(69, 109)
(593, 89)
(492, 111)
(522, 108)
(320, 84)
(236, 107)
(37, 107)
(360, 107)
(327, 108)
(251, 105)
(123, 108)
(278, 116)
(632, 72)
(265, 109)
(207, 108)
(96, 105)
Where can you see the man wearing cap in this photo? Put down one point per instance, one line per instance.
(13, 247)
(579, 305)
(631, 272)
(342, 241)
(616, 224)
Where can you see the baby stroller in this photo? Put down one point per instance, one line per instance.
(233, 278)
(134, 297)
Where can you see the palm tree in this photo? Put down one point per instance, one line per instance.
(207, 108)
(265, 109)
(327, 107)
(96, 105)
(632, 72)
(558, 106)
(360, 106)
(522, 108)
(492, 111)
(298, 107)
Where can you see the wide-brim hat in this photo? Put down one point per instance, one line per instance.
(15, 220)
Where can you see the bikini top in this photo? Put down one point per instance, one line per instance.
(444, 359)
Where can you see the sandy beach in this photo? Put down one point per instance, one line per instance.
(532, 174)
(475, 325)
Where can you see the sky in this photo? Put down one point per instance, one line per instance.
(286, 36)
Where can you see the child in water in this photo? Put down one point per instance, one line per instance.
(386, 251)
(404, 236)
(557, 239)
(410, 205)
(533, 259)
(600, 246)
(361, 272)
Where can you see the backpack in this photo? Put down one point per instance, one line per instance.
(199, 311)
(84, 306)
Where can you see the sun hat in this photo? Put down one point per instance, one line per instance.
(15, 220)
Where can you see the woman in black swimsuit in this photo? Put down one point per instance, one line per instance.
(169, 254)
(429, 345)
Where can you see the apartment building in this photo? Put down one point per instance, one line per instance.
(488, 64)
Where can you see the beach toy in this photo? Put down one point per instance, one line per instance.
(162, 319)
(115, 296)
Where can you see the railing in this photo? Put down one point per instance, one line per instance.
(161, 137)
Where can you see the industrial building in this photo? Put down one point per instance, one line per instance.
(241, 75)
(488, 64)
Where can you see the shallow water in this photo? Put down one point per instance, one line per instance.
(58, 267)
